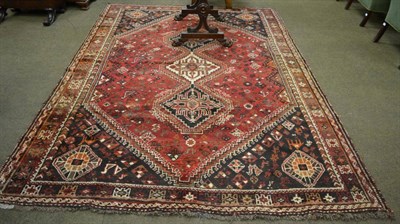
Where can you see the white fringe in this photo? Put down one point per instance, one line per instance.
(6, 206)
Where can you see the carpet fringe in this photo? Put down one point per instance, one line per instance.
(346, 216)
(6, 206)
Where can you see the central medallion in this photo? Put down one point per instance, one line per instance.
(192, 67)
(195, 107)
(192, 106)
(193, 110)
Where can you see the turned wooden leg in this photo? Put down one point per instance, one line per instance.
(366, 17)
(3, 14)
(349, 2)
(51, 17)
(381, 32)
(228, 4)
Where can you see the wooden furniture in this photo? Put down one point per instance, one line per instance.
(228, 3)
(202, 9)
(50, 6)
(372, 6)
(392, 19)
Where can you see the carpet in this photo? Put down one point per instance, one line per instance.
(136, 125)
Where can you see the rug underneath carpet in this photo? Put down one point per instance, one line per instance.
(137, 125)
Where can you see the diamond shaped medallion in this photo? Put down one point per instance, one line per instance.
(303, 168)
(136, 14)
(76, 163)
(193, 67)
(192, 106)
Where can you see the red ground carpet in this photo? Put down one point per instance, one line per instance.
(137, 125)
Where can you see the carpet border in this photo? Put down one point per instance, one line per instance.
(335, 115)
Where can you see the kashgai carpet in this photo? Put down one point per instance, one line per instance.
(137, 125)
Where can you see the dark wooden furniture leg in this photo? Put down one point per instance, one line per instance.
(191, 8)
(349, 2)
(202, 9)
(381, 32)
(50, 6)
(3, 14)
(366, 17)
(51, 17)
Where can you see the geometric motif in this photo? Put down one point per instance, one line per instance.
(121, 192)
(192, 67)
(137, 14)
(92, 130)
(358, 195)
(192, 107)
(76, 163)
(303, 168)
(246, 17)
(230, 199)
(236, 166)
(237, 132)
(313, 197)
(31, 190)
(68, 190)
(288, 125)
(157, 194)
(262, 199)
